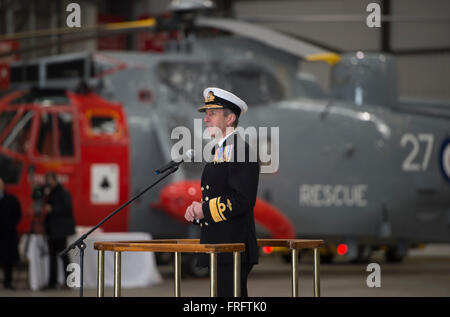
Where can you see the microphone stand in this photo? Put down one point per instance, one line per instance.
(80, 242)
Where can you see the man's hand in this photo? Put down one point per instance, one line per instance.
(48, 208)
(194, 211)
(189, 214)
(198, 210)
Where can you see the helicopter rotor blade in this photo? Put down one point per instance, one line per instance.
(116, 26)
(340, 18)
(302, 49)
(87, 33)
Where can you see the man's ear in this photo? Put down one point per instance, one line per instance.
(231, 118)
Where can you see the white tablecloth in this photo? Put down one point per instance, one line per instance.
(38, 261)
(138, 268)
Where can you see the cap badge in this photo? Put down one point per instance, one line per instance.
(210, 97)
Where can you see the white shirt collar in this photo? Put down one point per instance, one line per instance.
(223, 140)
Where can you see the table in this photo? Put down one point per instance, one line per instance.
(179, 246)
(140, 268)
(174, 246)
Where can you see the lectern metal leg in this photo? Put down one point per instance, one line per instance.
(213, 274)
(237, 274)
(177, 274)
(117, 273)
(294, 261)
(316, 272)
(101, 274)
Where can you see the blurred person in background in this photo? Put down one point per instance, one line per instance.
(59, 224)
(10, 214)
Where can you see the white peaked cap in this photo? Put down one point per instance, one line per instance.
(217, 98)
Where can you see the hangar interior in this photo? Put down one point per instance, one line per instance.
(417, 35)
(370, 179)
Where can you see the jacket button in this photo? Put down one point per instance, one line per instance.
(206, 223)
(207, 186)
(202, 188)
(206, 198)
(201, 225)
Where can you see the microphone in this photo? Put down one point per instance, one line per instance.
(185, 157)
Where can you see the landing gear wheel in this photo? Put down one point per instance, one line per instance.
(326, 258)
(163, 258)
(393, 255)
(326, 255)
(364, 253)
(189, 266)
(287, 257)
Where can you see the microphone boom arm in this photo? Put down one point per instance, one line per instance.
(80, 242)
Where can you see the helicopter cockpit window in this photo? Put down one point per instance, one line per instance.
(102, 124)
(254, 85)
(65, 121)
(24, 73)
(45, 143)
(19, 137)
(189, 79)
(66, 69)
(5, 119)
(45, 97)
(251, 82)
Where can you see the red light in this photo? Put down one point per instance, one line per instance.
(145, 95)
(342, 249)
(267, 250)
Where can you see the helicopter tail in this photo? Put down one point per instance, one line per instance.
(177, 196)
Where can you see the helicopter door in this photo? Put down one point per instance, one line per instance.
(55, 150)
(15, 131)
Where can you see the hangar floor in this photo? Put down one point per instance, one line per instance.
(423, 273)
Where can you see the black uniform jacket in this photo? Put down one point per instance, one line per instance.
(10, 214)
(229, 186)
(59, 223)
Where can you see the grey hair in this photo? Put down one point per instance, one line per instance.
(227, 112)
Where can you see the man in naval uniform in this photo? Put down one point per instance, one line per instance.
(229, 186)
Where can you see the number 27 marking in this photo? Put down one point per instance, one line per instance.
(408, 164)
